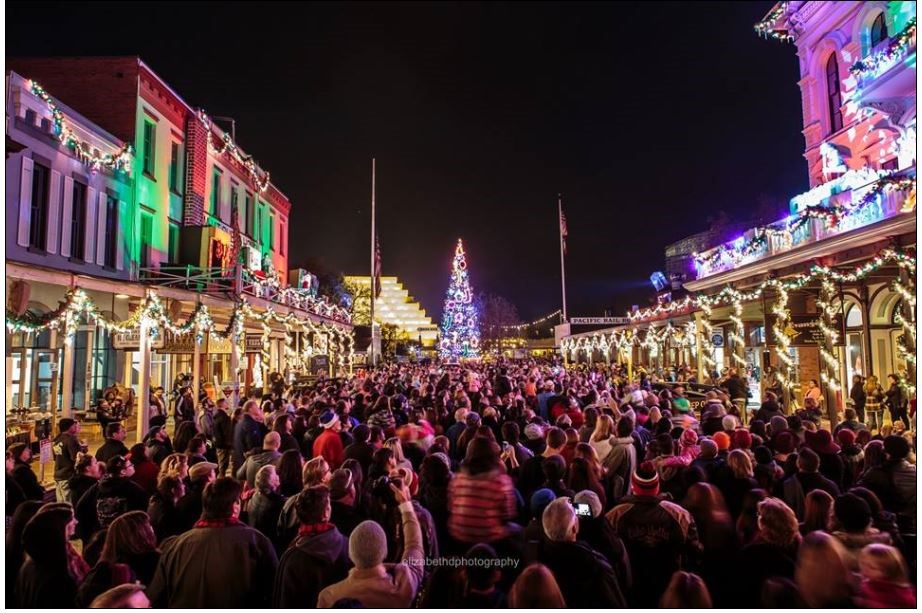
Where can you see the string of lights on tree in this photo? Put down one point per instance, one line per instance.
(119, 161)
(460, 328)
(153, 316)
(228, 145)
(780, 331)
(880, 62)
(834, 217)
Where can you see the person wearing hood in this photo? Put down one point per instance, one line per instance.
(269, 455)
(766, 471)
(318, 557)
(23, 474)
(115, 494)
(249, 433)
(768, 410)
(688, 451)
(53, 570)
(855, 530)
(831, 465)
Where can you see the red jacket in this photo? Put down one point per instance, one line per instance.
(330, 446)
(885, 595)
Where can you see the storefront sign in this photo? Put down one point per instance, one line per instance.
(615, 321)
(320, 365)
(253, 343)
(218, 346)
(804, 331)
(178, 344)
(717, 339)
(131, 341)
(44, 450)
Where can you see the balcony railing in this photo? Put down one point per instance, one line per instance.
(838, 213)
(205, 280)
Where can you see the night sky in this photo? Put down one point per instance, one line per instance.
(648, 117)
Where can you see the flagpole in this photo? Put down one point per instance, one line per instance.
(371, 279)
(563, 278)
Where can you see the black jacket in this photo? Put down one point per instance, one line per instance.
(263, 514)
(585, 577)
(110, 449)
(308, 566)
(223, 430)
(165, 518)
(105, 501)
(80, 485)
(25, 477)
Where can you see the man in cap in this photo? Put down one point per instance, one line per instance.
(329, 444)
(658, 535)
(65, 448)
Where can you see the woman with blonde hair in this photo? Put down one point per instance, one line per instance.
(174, 465)
(536, 588)
(874, 403)
(686, 591)
(823, 575)
(884, 579)
(601, 436)
(396, 446)
(739, 482)
(316, 471)
(772, 553)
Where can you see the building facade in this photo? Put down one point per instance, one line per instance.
(827, 292)
(395, 306)
(143, 243)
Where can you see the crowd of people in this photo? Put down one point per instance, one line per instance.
(487, 485)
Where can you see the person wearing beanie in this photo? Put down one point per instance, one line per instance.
(596, 532)
(831, 465)
(766, 471)
(371, 582)
(658, 534)
(769, 410)
(318, 557)
(852, 457)
(534, 532)
(329, 444)
(344, 512)
(723, 441)
(714, 466)
(688, 451)
(221, 563)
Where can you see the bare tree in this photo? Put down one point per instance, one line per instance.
(359, 302)
(497, 315)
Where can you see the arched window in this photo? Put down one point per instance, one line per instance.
(878, 31)
(834, 94)
(853, 318)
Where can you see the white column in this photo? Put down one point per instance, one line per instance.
(234, 376)
(53, 395)
(88, 366)
(196, 371)
(67, 377)
(143, 383)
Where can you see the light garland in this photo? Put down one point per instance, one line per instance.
(707, 347)
(880, 62)
(828, 312)
(271, 288)
(905, 316)
(766, 27)
(537, 322)
(738, 332)
(780, 311)
(228, 145)
(848, 215)
(119, 161)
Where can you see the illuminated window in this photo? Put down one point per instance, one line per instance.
(175, 168)
(149, 148)
(834, 94)
(878, 31)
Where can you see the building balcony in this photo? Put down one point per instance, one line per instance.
(888, 72)
(856, 200)
(202, 280)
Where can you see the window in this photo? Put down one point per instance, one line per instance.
(891, 164)
(878, 31)
(282, 238)
(271, 230)
(234, 210)
(173, 242)
(39, 209)
(175, 173)
(257, 235)
(248, 213)
(111, 230)
(77, 221)
(147, 238)
(834, 94)
(149, 145)
(215, 192)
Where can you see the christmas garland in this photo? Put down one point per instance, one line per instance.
(875, 64)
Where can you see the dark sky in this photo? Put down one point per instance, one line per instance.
(648, 117)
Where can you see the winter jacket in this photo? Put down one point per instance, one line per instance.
(110, 498)
(794, 489)
(249, 468)
(110, 449)
(165, 518)
(575, 566)
(854, 543)
(874, 594)
(25, 477)
(79, 485)
(223, 430)
(248, 435)
(394, 585)
(658, 535)
(145, 475)
(308, 566)
(620, 464)
(757, 562)
(221, 567)
(330, 446)
(263, 514)
(852, 461)
(65, 448)
(480, 506)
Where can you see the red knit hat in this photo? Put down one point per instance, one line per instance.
(742, 439)
(722, 439)
(645, 480)
(846, 437)
(689, 438)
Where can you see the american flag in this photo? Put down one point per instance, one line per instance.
(377, 267)
(563, 231)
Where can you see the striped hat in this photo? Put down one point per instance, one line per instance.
(645, 480)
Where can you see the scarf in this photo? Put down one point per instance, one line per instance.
(314, 529)
(222, 522)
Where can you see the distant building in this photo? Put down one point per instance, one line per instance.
(394, 305)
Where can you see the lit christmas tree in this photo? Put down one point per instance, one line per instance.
(460, 322)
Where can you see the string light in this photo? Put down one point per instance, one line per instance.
(537, 322)
(228, 145)
(876, 64)
(766, 27)
(782, 316)
(119, 161)
(737, 332)
(826, 321)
